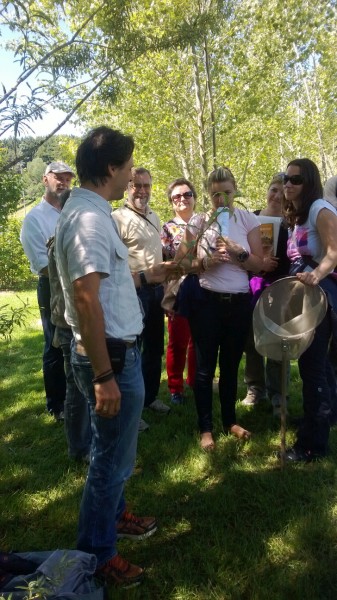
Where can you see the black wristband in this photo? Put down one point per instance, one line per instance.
(142, 278)
(103, 378)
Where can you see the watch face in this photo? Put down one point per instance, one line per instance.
(243, 256)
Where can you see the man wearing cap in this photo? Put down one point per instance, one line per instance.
(38, 226)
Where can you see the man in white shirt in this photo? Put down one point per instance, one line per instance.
(38, 226)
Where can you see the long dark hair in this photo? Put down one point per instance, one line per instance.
(312, 190)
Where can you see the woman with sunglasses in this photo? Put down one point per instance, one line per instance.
(220, 315)
(182, 196)
(313, 226)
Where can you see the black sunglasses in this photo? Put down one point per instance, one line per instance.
(186, 195)
(294, 179)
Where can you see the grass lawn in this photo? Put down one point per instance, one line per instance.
(232, 525)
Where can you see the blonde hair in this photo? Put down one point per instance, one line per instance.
(218, 175)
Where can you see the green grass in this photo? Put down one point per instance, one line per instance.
(232, 525)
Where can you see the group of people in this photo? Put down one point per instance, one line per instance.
(110, 269)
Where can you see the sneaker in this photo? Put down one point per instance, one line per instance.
(177, 398)
(143, 426)
(135, 528)
(159, 406)
(254, 395)
(298, 455)
(121, 572)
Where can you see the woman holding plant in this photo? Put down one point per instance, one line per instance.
(220, 315)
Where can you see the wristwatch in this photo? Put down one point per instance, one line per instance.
(243, 256)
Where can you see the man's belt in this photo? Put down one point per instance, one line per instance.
(80, 349)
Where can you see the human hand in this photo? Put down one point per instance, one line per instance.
(308, 277)
(270, 263)
(108, 398)
(164, 271)
(226, 243)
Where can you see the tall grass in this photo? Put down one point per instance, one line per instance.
(232, 525)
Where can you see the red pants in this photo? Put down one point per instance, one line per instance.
(179, 343)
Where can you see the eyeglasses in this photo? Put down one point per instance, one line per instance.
(294, 179)
(186, 195)
(139, 186)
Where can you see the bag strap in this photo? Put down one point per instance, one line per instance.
(142, 216)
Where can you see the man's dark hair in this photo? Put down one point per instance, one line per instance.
(180, 181)
(101, 148)
(312, 190)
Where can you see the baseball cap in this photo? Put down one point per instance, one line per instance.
(58, 167)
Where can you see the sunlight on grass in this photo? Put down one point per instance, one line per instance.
(231, 524)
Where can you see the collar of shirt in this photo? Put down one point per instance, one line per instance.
(92, 197)
(48, 205)
(179, 221)
(148, 210)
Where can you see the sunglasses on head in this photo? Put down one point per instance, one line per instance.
(294, 179)
(186, 195)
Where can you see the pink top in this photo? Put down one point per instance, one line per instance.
(225, 277)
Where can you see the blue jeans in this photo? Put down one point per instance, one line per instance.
(152, 339)
(318, 390)
(113, 453)
(52, 360)
(76, 409)
(218, 324)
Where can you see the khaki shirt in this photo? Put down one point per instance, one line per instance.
(141, 237)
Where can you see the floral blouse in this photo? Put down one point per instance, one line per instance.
(171, 235)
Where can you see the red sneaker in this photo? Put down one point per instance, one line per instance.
(121, 572)
(135, 528)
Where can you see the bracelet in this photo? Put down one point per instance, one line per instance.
(104, 377)
(142, 278)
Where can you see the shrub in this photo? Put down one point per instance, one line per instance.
(15, 273)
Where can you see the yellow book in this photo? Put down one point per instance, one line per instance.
(270, 228)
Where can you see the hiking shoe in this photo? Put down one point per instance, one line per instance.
(159, 406)
(121, 572)
(143, 426)
(135, 528)
(177, 398)
(253, 397)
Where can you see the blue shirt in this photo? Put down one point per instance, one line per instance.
(87, 241)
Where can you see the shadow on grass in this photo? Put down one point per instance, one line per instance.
(231, 524)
